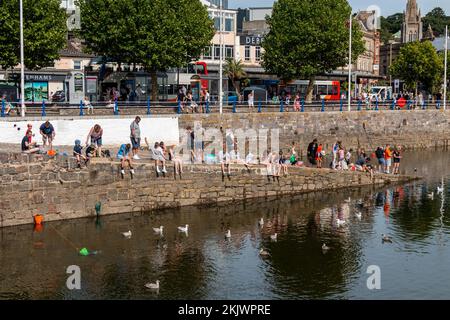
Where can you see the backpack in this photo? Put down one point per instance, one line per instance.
(379, 153)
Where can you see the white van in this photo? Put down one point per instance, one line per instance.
(385, 93)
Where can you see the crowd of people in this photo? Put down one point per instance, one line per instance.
(277, 163)
(388, 158)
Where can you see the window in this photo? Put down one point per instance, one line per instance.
(247, 53)
(207, 54)
(217, 23)
(77, 65)
(229, 51)
(258, 53)
(217, 52)
(229, 25)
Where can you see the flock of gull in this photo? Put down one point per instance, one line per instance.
(273, 237)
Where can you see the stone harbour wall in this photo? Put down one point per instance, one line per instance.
(412, 129)
(31, 185)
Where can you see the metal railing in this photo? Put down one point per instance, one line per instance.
(45, 109)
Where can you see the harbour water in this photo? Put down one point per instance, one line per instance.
(203, 264)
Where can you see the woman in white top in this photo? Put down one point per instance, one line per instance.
(88, 105)
(251, 100)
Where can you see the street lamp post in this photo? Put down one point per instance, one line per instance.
(445, 67)
(350, 67)
(22, 66)
(221, 57)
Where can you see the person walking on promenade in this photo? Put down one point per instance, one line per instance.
(135, 137)
(95, 134)
(251, 101)
(312, 149)
(397, 158)
(48, 134)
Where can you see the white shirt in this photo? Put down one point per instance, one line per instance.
(224, 157)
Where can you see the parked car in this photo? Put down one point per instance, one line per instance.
(230, 97)
(59, 96)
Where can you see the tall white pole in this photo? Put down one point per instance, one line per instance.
(445, 68)
(221, 58)
(22, 64)
(350, 67)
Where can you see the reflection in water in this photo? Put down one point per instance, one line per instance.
(203, 264)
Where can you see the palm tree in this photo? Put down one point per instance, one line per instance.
(234, 69)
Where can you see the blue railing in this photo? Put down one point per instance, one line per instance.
(119, 107)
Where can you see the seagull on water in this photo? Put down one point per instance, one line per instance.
(386, 238)
(274, 237)
(127, 234)
(431, 195)
(325, 248)
(228, 234)
(358, 215)
(183, 229)
(158, 230)
(261, 222)
(440, 190)
(264, 253)
(153, 286)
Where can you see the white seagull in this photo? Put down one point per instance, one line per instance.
(263, 253)
(158, 230)
(153, 286)
(440, 189)
(261, 222)
(431, 195)
(325, 247)
(358, 215)
(386, 238)
(274, 237)
(228, 234)
(340, 222)
(183, 229)
(127, 234)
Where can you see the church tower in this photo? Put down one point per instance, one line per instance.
(412, 23)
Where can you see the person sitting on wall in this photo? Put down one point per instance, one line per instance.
(77, 153)
(27, 145)
(124, 156)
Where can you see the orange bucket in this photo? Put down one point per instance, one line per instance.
(38, 219)
(51, 153)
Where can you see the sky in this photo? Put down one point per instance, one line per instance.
(387, 7)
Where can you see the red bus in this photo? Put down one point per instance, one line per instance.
(328, 90)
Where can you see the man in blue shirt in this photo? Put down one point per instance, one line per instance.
(124, 156)
(48, 133)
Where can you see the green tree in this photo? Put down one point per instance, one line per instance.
(235, 73)
(390, 25)
(308, 38)
(45, 32)
(418, 62)
(158, 34)
(437, 19)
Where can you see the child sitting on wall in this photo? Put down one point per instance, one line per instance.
(77, 153)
